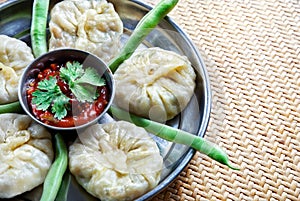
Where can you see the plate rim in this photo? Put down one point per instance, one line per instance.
(206, 115)
(187, 157)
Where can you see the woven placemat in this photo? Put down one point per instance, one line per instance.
(252, 52)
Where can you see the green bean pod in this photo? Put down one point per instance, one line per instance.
(143, 28)
(56, 172)
(38, 27)
(175, 135)
(62, 194)
(13, 107)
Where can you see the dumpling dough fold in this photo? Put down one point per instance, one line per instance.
(26, 154)
(155, 83)
(15, 55)
(93, 26)
(115, 161)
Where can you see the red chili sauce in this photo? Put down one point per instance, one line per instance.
(79, 113)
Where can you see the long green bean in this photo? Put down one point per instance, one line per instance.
(175, 135)
(143, 28)
(54, 177)
(62, 194)
(38, 42)
(38, 27)
(13, 107)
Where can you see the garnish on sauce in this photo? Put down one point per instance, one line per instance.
(49, 94)
(81, 82)
(67, 94)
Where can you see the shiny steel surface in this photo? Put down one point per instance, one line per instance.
(15, 18)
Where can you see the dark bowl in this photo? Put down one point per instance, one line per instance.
(61, 56)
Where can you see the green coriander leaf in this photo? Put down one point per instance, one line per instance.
(60, 106)
(84, 93)
(47, 95)
(42, 99)
(47, 84)
(82, 82)
(43, 96)
(72, 71)
(92, 77)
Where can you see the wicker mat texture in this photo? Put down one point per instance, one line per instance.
(252, 52)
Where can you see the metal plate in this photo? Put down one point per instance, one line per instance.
(15, 19)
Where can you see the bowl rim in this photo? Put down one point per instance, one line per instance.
(23, 79)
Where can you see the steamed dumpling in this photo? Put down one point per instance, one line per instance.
(26, 154)
(15, 55)
(90, 25)
(155, 83)
(115, 161)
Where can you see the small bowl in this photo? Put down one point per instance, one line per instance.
(61, 56)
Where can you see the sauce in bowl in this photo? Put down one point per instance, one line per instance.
(78, 112)
(66, 89)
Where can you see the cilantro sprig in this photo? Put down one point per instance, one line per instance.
(82, 82)
(49, 94)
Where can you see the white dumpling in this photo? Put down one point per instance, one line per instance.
(155, 83)
(15, 55)
(90, 25)
(115, 161)
(26, 154)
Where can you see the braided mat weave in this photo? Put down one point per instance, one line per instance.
(252, 53)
